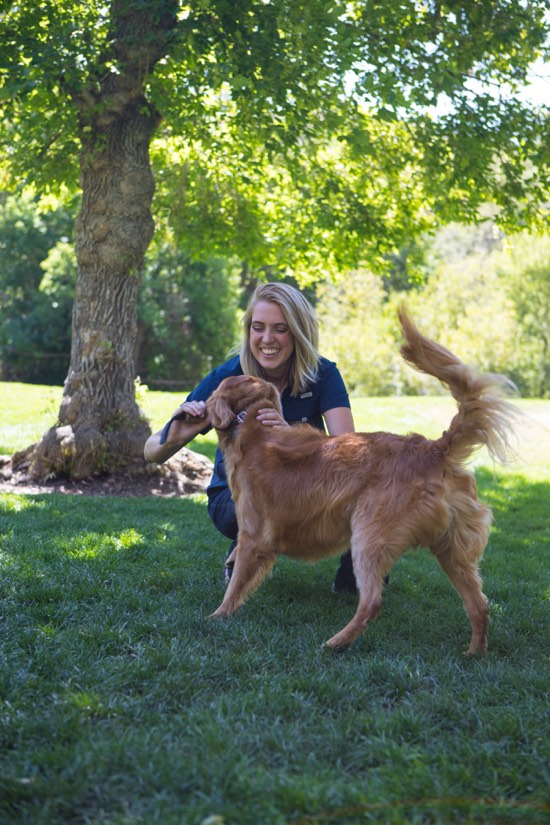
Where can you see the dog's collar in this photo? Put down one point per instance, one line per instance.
(239, 419)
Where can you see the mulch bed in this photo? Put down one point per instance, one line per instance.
(184, 474)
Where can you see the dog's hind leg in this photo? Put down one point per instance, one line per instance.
(460, 550)
(252, 565)
(467, 582)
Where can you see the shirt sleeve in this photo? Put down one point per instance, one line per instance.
(204, 390)
(332, 390)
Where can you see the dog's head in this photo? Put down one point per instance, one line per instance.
(235, 395)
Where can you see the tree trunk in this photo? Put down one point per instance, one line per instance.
(100, 427)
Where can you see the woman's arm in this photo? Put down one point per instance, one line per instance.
(181, 432)
(339, 421)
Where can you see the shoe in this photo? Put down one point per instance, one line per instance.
(344, 581)
(227, 573)
(228, 568)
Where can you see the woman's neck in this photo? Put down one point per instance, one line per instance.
(279, 379)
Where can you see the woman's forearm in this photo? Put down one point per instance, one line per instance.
(181, 431)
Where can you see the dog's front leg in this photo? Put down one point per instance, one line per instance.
(251, 567)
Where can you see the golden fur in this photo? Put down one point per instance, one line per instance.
(303, 494)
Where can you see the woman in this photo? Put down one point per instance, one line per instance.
(280, 339)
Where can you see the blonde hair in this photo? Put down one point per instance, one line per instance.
(302, 323)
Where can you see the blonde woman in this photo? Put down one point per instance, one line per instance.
(280, 345)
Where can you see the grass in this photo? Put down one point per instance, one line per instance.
(122, 705)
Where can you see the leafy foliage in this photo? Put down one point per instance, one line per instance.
(295, 134)
(490, 307)
(35, 306)
(355, 333)
(187, 310)
(525, 268)
(187, 317)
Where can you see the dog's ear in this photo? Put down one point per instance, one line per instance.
(220, 410)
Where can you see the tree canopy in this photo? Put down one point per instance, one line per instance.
(290, 125)
(301, 135)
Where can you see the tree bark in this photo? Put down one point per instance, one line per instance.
(100, 427)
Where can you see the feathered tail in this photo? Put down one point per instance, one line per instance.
(483, 417)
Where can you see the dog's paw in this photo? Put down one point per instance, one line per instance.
(219, 614)
(476, 652)
(338, 642)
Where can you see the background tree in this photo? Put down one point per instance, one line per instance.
(35, 311)
(294, 133)
(188, 317)
(524, 267)
(187, 310)
(356, 334)
(483, 296)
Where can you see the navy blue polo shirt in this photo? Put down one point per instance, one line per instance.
(327, 392)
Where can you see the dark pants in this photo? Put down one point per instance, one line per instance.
(221, 509)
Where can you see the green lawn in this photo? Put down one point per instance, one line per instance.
(121, 704)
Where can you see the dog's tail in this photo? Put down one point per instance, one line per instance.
(484, 417)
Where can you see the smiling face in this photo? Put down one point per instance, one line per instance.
(271, 340)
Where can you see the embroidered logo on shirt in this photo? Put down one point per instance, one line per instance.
(306, 395)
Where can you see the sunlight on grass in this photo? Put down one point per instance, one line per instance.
(88, 704)
(94, 545)
(28, 410)
(19, 503)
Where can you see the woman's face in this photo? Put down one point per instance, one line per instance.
(271, 341)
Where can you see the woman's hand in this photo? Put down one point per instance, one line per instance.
(192, 409)
(271, 418)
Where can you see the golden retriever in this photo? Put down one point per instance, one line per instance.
(306, 495)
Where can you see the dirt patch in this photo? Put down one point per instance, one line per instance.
(184, 474)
